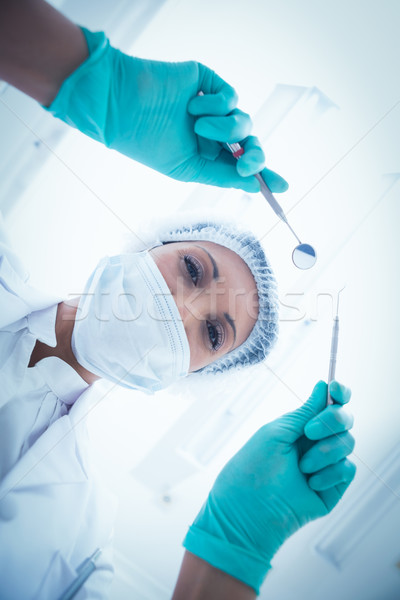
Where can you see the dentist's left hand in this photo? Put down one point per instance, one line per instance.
(151, 112)
(290, 472)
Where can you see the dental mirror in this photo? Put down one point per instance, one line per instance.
(304, 256)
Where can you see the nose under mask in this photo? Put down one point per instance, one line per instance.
(128, 328)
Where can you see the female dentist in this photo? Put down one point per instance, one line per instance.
(290, 472)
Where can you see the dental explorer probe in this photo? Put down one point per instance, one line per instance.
(334, 347)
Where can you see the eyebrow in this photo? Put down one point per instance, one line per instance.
(214, 264)
(215, 276)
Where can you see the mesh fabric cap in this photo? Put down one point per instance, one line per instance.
(265, 331)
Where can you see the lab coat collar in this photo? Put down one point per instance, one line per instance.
(42, 324)
(62, 379)
(53, 459)
(64, 443)
(18, 298)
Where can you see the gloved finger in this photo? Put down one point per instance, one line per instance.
(217, 104)
(327, 452)
(219, 98)
(226, 129)
(209, 148)
(334, 419)
(297, 419)
(252, 160)
(223, 173)
(340, 473)
(339, 392)
(275, 182)
(331, 496)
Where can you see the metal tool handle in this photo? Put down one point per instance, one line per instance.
(268, 195)
(237, 152)
(332, 361)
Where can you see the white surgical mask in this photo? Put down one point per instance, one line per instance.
(128, 328)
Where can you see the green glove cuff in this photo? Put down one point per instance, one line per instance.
(234, 560)
(90, 78)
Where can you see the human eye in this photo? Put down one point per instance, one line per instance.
(194, 268)
(216, 335)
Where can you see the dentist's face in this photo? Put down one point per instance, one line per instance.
(215, 293)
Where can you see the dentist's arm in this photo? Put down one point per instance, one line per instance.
(148, 110)
(198, 580)
(39, 48)
(290, 472)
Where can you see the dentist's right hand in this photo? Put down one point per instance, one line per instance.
(151, 111)
(290, 472)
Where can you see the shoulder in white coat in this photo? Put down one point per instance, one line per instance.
(54, 515)
(17, 297)
(53, 512)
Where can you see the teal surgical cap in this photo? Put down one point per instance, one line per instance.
(265, 331)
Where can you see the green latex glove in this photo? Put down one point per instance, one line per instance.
(290, 472)
(150, 111)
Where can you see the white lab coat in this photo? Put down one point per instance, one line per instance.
(53, 512)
